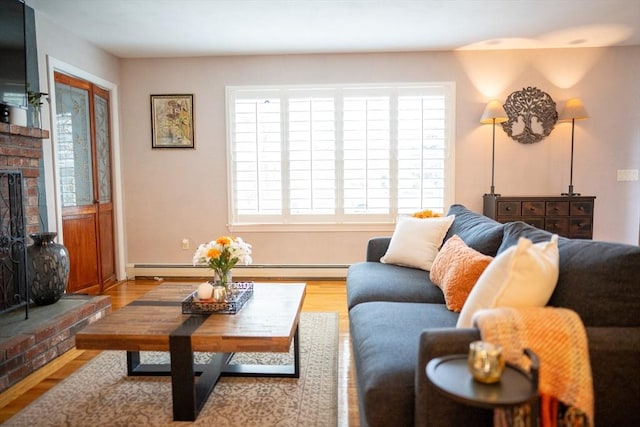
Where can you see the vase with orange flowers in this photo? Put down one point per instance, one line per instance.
(221, 255)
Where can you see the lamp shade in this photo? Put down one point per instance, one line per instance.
(573, 110)
(494, 110)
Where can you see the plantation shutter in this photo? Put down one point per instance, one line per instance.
(257, 151)
(338, 155)
(421, 152)
(367, 154)
(312, 156)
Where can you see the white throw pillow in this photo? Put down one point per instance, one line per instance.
(524, 275)
(415, 241)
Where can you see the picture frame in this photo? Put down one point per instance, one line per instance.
(172, 121)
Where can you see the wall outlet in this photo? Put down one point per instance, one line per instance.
(627, 174)
(185, 243)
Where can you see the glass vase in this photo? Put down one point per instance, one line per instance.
(36, 118)
(222, 278)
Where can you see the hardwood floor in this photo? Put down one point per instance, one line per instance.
(322, 295)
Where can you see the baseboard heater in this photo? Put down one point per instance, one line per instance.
(292, 271)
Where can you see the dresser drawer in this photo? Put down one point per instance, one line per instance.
(530, 208)
(567, 216)
(581, 208)
(509, 209)
(581, 227)
(557, 225)
(557, 208)
(534, 221)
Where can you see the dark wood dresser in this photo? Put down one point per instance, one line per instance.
(566, 216)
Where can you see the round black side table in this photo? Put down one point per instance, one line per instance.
(450, 375)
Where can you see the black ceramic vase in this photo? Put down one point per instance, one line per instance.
(47, 268)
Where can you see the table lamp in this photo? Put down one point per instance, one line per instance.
(573, 110)
(493, 113)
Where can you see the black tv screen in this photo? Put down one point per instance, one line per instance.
(13, 68)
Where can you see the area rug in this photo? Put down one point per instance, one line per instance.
(101, 394)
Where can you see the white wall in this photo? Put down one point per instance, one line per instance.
(172, 194)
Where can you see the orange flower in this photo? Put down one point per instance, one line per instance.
(427, 213)
(224, 241)
(213, 253)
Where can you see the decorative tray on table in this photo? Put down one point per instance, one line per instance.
(238, 293)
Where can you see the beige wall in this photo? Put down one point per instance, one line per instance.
(172, 194)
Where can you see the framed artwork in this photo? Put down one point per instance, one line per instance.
(172, 121)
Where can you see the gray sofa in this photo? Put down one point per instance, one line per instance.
(399, 322)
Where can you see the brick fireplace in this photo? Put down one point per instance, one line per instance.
(20, 154)
(21, 150)
(27, 344)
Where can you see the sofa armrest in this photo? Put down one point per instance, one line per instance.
(432, 408)
(376, 248)
(614, 355)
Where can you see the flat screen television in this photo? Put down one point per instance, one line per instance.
(13, 57)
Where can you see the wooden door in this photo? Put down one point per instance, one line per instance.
(84, 165)
(104, 187)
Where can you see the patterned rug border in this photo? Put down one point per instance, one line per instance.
(100, 393)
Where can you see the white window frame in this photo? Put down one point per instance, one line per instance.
(366, 222)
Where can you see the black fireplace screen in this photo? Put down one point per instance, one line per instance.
(13, 273)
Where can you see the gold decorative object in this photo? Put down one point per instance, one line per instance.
(486, 362)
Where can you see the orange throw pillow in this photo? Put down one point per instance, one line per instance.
(456, 270)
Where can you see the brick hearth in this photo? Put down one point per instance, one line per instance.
(26, 345)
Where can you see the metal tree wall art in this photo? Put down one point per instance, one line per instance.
(532, 115)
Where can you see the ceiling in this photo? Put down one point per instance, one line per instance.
(170, 28)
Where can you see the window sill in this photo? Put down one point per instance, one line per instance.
(298, 228)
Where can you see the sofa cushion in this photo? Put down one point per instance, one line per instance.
(373, 281)
(512, 232)
(524, 275)
(478, 231)
(415, 241)
(376, 248)
(386, 339)
(456, 269)
(598, 280)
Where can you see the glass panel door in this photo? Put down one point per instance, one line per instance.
(83, 152)
(103, 147)
(74, 146)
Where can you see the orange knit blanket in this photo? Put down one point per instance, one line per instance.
(558, 337)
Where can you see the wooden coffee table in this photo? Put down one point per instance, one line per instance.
(268, 322)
